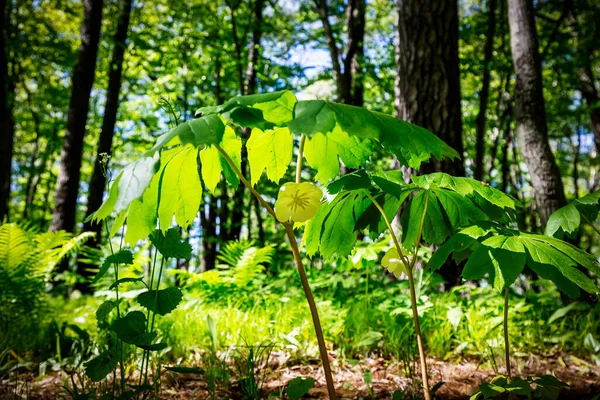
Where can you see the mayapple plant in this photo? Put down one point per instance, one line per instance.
(435, 206)
(165, 184)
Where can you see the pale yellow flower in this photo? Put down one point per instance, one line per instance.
(393, 263)
(298, 202)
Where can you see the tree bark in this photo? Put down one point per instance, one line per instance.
(530, 113)
(350, 80)
(485, 91)
(67, 187)
(585, 72)
(98, 179)
(427, 87)
(7, 95)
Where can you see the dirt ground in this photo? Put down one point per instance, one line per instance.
(460, 379)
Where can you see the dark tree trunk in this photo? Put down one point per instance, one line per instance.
(485, 92)
(7, 123)
(350, 80)
(237, 213)
(98, 179)
(67, 186)
(428, 82)
(586, 75)
(427, 85)
(530, 113)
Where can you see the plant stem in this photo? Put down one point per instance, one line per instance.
(120, 342)
(245, 181)
(506, 343)
(313, 310)
(411, 283)
(300, 158)
(298, 259)
(590, 223)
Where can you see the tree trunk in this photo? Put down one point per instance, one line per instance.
(485, 92)
(98, 179)
(349, 81)
(7, 123)
(427, 86)
(530, 113)
(67, 187)
(586, 75)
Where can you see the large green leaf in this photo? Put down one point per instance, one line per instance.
(98, 367)
(503, 255)
(324, 152)
(435, 230)
(566, 220)
(466, 187)
(198, 132)
(162, 301)
(274, 107)
(132, 329)
(272, 150)
(411, 144)
(180, 189)
(129, 185)
(142, 215)
(170, 245)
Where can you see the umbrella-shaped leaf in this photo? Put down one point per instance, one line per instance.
(180, 189)
(564, 220)
(198, 132)
(271, 150)
(170, 245)
(142, 214)
(162, 301)
(435, 230)
(276, 107)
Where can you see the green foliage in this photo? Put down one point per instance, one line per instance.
(122, 257)
(502, 253)
(546, 387)
(170, 244)
(299, 387)
(567, 220)
(161, 301)
(452, 203)
(27, 259)
(100, 366)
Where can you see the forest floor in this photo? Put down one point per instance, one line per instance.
(460, 379)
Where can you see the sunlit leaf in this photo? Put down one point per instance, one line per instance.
(271, 150)
(180, 188)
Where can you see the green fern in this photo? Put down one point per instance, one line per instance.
(244, 262)
(27, 259)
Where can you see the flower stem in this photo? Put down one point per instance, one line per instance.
(411, 282)
(313, 311)
(120, 342)
(298, 259)
(506, 343)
